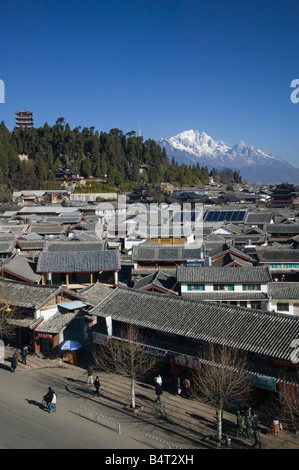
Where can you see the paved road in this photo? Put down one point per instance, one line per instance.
(25, 425)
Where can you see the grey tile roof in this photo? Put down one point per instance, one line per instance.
(270, 255)
(212, 274)
(250, 330)
(22, 267)
(284, 290)
(25, 295)
(18, 294)
(158, 279)
(7, 246)
(96, 293)
(56, 323)
(258, 218)
(30, 245)
(78, 261)
(282, 228)
(74, 245)
(164, 253)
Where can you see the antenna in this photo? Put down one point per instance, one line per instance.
(139, 131)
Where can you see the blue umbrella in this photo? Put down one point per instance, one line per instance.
(69, 345)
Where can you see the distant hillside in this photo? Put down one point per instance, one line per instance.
(113, 157)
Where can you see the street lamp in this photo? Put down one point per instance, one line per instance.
(6, 306)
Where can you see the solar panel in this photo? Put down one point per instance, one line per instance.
(225, 216)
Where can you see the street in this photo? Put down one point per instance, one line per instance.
(25, 425)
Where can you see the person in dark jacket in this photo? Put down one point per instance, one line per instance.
(24, 355)
(13, 364)
(49, 396)
(97, 386)
(159, 392)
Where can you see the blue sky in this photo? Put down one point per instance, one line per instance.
(165, 66)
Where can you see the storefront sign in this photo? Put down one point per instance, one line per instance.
(261, 381)
(44, 335)
(100, 338)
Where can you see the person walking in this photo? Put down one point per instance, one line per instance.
(186, 385)
(275, 426)
(256, 431)
(17, 355)
(24, 355)
(177, 390)
(13, 364)
(159, 392)
(97, 386)
(239, 429)
(52, 402)
(249, 423)
(158, 379)
(89, 375)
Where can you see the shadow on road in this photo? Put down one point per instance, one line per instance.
(36, 403)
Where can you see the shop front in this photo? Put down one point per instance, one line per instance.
(45, 343)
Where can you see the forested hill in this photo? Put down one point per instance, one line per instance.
(114, 157)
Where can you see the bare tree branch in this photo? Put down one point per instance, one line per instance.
(126, 355)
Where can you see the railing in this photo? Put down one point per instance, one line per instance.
(157, 443)
(99, 419)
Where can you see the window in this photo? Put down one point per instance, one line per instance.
(283, 307)
(225, 287)
(191, 287)
(251, 287)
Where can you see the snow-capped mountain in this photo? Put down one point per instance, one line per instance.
(192, 147)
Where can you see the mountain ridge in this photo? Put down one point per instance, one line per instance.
(255, 165)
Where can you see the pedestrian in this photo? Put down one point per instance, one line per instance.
(239, 428)
(186, 385)
(52, 402)
(159, 392)
(158, 379)
(89, 375)
(177, 390)
(248, 423)
(24, 355)
(17, 355)
(97, 386)
(13, 364)
(275, 426)
(256, 431)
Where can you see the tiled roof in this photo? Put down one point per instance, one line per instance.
(74, 245)
(56, 323)
(272, 255)
(258, 218)
(95, 293)
(250, 330)
(284, 290)
(223, 275)
(21, 267)
(25, 295)
(19, 294)
(164, 253)
(78, 261)
(158, 279)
